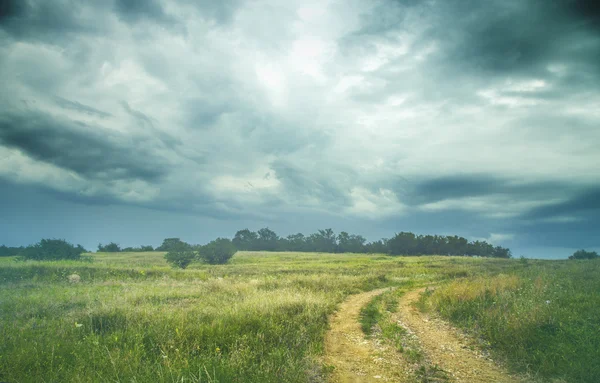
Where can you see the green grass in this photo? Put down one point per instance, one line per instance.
(544, 319)
(131, 318)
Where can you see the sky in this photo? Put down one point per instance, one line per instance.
(136, 120)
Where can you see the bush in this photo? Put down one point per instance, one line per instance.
(173, 244)
(217, 252)
(110, 248)
(582, 254)
(181, 259)
(53, 249)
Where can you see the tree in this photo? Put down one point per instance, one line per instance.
(245, 240)
(53, 249)
(350, 243)
(501, 252)
(10, 251)
(404, 243)
(110, 248)
(181, 258)
(582, 254)
(295, 242)
(174, 244)
(217, 252)
(267, 239)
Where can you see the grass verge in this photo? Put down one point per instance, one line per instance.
(544, 318)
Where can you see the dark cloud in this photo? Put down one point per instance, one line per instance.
(91, 152)
(586, 10)
(581, 205)
(517, 37)
(478, 185)
(137, 10)
(41, 19)
(219, 11)
(79, 107)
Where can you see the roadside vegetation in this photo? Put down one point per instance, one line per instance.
(542, 318)
(131, 317)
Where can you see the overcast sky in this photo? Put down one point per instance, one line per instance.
(136, 120)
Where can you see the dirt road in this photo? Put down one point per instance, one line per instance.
(356, 359)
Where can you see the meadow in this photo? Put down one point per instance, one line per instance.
(128, 317)
(542, 319)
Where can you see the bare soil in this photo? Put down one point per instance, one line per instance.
(355, 359)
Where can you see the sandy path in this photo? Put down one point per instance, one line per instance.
(354, 358)
(358, 360)
(446, 347)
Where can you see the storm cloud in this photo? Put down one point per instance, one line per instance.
(452, 117)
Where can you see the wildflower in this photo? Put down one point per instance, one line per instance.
(77, 325)
(547, 302)
(218, 350)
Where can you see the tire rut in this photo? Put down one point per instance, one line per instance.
(356, 359)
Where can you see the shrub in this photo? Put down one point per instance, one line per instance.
(217, 252)
(173, 244)
(582, 254)
(110, 248)
(53, 249)
(181, 259)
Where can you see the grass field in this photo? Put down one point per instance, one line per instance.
(261, 318)
(544, 318)
(131, 318)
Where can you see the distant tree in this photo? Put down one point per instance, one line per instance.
(350, 243)
(267, 239)
(377, 247)
(6, 251)
(174, 244)
(146, 248)
(217, 252)
(583, 254)
(296, 242)
(501, 252)
(110, 248)
(245, 240)
(52, 249)
(480, 248)
(404, 243)
(323, 241)
(180, 258)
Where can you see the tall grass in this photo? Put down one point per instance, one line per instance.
(131, 318)
(544, 319)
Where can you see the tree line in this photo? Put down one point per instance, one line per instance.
(403, 243)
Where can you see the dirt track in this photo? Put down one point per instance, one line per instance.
(358, 360)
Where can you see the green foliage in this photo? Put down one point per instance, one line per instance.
(217, 252)
(180, 259)
(582, 254)
(403, 243)
(370, 315)
(174, 244)
(110, 248)
(6, 251)
(543, 318)
(53, 249)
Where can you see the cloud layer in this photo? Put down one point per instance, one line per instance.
(392, 113)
